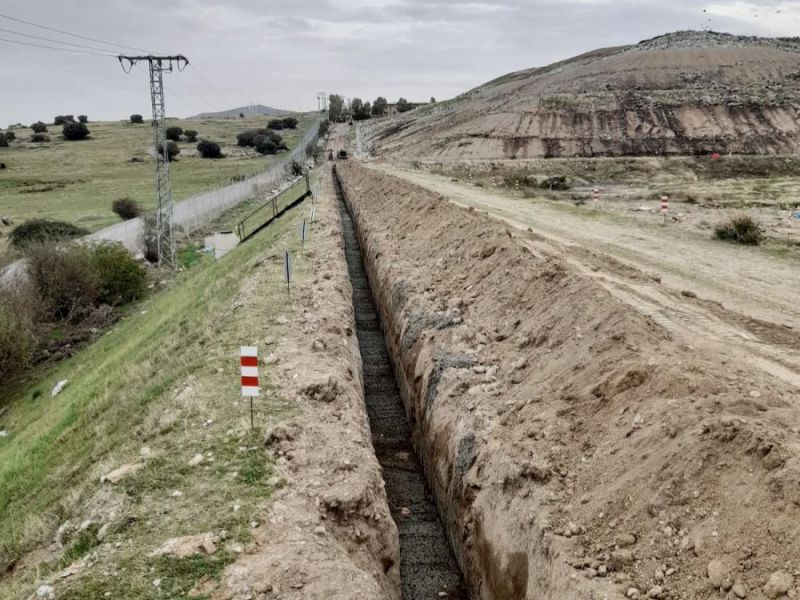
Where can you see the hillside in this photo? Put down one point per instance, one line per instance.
(681, 93)
(251, 110)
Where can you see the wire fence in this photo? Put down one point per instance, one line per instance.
(195, 212)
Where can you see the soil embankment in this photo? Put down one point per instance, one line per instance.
(574, 445)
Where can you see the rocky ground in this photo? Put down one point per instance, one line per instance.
(579, 446)
(682, 93)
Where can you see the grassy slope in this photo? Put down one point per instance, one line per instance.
(154, 381)
(77, 181)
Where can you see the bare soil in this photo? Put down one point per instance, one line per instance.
(683, 93)
(588, 432)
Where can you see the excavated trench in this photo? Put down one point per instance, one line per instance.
(428, 568)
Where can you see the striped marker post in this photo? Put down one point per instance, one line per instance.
(595, 195)
(665, 208)
(248, 360)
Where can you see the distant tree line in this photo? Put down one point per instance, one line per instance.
(358, 110)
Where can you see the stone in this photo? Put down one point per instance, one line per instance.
(632, 593)
(190, 545)
(739, 590)
(121, 473)
(626, 539)
(716, 573)
(45, 592)
(778, 584)
(656, 592)
(197, 459)
(57, 389)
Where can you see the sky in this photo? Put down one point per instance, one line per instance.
(282, 53)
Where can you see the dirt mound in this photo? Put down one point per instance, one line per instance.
(576, 448)
(682, 93)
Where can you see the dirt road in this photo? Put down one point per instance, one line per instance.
(740, 302)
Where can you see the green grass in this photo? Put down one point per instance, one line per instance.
(155, 380)
(78, 181)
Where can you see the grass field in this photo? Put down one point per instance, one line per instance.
(78, 181)
(166, 379)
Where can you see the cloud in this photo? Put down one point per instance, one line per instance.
(282, 53)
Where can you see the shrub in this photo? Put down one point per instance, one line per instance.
(38, 127)
(126, 208)
(324, 127)
(38, 138)
(276, 124)
(190, 134)
(83, 119)
(11, 136)
(241, 115)
(137, 119)
(120, 279)
(65, 279)
(3, 140)
(174, 133)
(172, 151)
(265, 145)
(16, 341)
(741, 229)
(209, 149)
(150, 238)
(62, 119)
(290, 123)
(75, 131)
(39, 231)
(246, 139)
(296, 168)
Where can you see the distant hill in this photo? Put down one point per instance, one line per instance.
(248, 111)
(689, 92)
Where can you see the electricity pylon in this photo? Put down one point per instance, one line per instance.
(165, 232)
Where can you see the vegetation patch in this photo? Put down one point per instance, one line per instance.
(741, 229)
(40, 231)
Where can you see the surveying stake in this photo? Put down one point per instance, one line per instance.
(165, 233)
(665, 208)
(287, 273)
(248, 361)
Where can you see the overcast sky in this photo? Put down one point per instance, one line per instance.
(282, 53)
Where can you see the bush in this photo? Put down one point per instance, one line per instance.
(276, 124)
(174, 133)
(172, 151)
(190, 135)
(16, 341)
(741, 229)
(209, 149)
(126, 208)
(65, 280)
(39, 231)
(296, 169)
(120, 279)
(290, 123)
(138, 119)
(38, 138)
(83, 119)
(3, 140)
(75, 131)
(62, 119)
(265, 145)
(11, 136)
(38, 127)
(247, 139)
(150, 238)
(324, 127)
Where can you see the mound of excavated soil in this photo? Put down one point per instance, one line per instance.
(576, 450)
(683, 93)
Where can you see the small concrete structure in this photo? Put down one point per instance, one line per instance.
(222, 242)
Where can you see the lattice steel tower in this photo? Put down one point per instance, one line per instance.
(165, 232)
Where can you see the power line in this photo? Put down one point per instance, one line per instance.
(192, 90)
(55, 48)
(47, 39)
(75, 35)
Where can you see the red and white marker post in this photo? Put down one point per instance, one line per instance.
(248, 360)
(665, 208)
(595, 196)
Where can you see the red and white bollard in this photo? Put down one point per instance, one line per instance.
(665, 208)
(248, 361)
(595, 196)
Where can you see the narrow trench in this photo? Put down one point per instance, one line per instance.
(428, 568)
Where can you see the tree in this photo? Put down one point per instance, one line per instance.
(137, 119)
(276, 124)
(379, 106)
(289, 123)
(3, 140)
(404, 105)
(61, 119)
(126, 208)
(39, 127)
(433, 100)
(172, 150)
(190, 135)
(11, 136)
(38, 138)
(241, 115)
(209, 149)
(174, 133)
(324, 127)
(335, 108)
(83, 119)
(265, 145)
(74, 131)
(246, 139)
